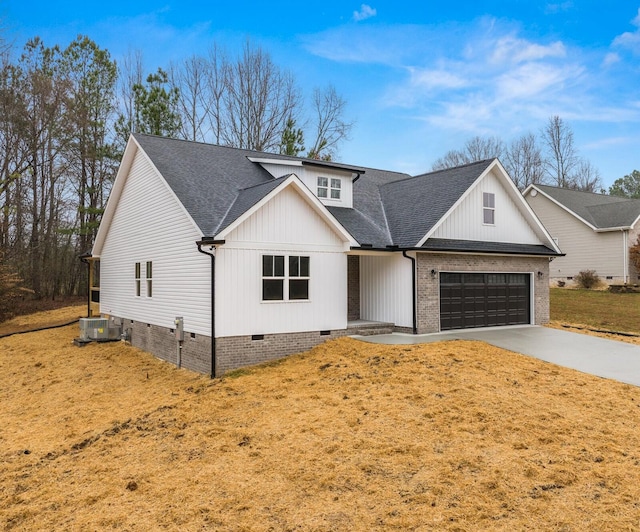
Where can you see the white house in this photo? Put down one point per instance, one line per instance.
(264, 255)
(594, 231)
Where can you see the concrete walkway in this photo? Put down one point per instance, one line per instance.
(590, 354)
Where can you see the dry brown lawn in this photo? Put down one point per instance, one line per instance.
(348, 436)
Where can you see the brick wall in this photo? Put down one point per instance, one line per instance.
(353, 287)
(231, 352)
(429, 286)
(161, 342)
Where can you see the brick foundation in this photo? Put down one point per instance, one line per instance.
(231, 352)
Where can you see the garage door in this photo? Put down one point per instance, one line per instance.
(470, 300)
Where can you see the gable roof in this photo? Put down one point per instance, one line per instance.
(414, 205)
(599, 211)
(218, 186)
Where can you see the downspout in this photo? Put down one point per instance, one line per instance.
(413, 291)
(625, 255)
(213, 304)
(85, 258)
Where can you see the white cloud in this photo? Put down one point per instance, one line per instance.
(513, 50)
(436, 78)
(535, 79)
(365, 12)
(630, 39)
(610, 59)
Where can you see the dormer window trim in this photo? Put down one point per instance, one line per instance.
(329, 187)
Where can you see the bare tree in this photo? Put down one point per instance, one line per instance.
(475, 149)
(131, 75)
(330, 125)
(523, 161)
(562, 158)
(258, 100)
(216, 85)
(587, 177)
(192, 77)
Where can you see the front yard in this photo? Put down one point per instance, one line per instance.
(348, 436)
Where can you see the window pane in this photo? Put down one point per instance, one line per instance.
(322, 192)
(304, 266)
(335, 194)
(138, 288)
(323, 182)
(488, 200)
(272, 289)
(488, 216)
(149, 274)
(137, 270)
(149, 291)
(335, 183)
(299, 289)
(294, 266)
(278, 266)
(267, 265)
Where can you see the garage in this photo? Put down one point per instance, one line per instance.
(469, 300)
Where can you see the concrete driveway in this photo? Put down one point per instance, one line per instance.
(598, 356)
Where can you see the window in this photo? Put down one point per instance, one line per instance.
(298, 277)
(329, 188)
(488, 208)
(285, 280)
(137, 279)
(272, 277)
(149, 280)
(335, 188)
(323, 187)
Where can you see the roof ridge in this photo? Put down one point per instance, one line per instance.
(434, 172)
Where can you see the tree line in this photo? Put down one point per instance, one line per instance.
(549, 157)
(66, 115)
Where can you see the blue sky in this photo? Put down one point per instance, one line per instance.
(420, 78)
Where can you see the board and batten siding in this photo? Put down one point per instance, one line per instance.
(466, 221)
(385, 289)
(149, 224)
(585, 249)
(285, 225)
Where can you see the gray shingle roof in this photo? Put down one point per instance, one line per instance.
(413, 206)
(217, 185)
(442, 244)
(600, 210)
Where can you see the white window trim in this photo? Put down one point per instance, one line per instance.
(285, 279)
(488, 208)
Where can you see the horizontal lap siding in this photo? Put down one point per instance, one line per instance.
(149, 224)
(584, 248)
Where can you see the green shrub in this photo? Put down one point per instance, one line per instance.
(587, 279)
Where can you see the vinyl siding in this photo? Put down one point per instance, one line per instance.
(286, 225)
(585, 249)
(466, 221)
(149, 224)
(385, 289)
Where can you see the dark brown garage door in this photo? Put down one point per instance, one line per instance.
(470, 300)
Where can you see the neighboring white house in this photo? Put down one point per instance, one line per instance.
(270, 255)
(594, 231)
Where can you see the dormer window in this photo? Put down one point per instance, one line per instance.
(329, 188)
(488, 208)
(335, 188)
(323, 187)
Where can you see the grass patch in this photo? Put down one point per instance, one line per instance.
(601, 309)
